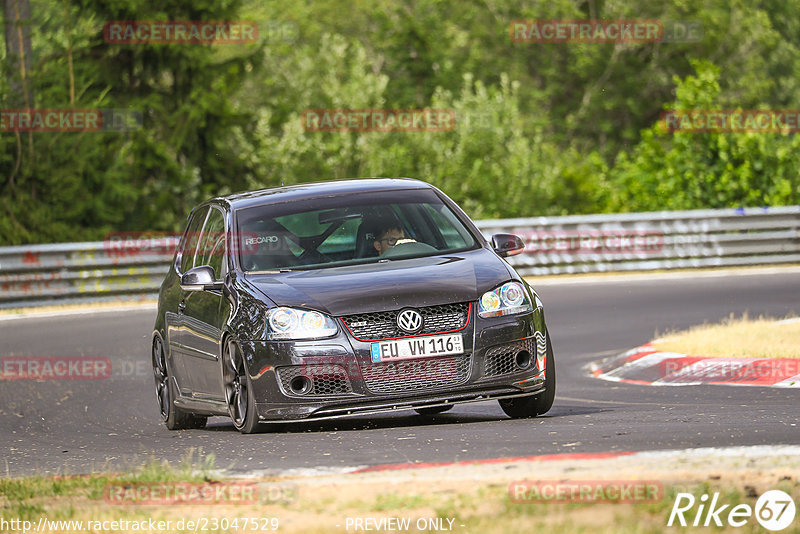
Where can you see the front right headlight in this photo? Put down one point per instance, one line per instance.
(292, 323)
(507, 299)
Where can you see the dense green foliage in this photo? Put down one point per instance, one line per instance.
(543, 129)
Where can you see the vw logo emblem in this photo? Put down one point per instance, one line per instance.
(409, 321)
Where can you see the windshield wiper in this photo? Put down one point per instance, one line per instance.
(270, 271)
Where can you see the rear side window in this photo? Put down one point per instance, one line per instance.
(211, 250)
(191, 237)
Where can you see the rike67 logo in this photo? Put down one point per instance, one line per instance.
(774, 510)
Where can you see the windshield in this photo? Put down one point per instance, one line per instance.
(345, 230)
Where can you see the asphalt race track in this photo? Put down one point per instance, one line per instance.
(78, 426)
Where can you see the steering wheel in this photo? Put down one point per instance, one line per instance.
(408, 247)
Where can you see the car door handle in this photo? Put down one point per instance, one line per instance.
(181, 307)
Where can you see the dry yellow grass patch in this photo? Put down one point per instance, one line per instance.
(470, 499)
(477, 496)
(737, 338)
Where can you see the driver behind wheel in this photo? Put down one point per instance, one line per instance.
(388, 234)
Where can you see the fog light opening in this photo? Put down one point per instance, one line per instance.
(523, 359)
(300, 385)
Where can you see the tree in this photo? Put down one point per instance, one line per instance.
(687, 170)
(19, 52)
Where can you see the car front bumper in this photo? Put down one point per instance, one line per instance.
(347, 383)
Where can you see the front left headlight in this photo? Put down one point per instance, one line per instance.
(507, 299)
(291, 323)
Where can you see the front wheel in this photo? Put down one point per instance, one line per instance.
(174, 418)
(238, 391)
(540, 404)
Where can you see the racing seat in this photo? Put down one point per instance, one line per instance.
(270, 252)
(365, 239)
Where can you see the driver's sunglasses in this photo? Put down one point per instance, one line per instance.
(391, 241)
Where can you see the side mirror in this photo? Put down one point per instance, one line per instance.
(198, 279)
(507, 244)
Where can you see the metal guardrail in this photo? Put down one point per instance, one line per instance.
(37, 274)
(654, 240)
(43, 274)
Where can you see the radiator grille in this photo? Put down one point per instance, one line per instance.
(383, 325)
(406, 376)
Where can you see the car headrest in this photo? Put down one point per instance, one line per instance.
(265, 247)
(365, 239)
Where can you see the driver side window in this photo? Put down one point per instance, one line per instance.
(190, 239)
(211, 250)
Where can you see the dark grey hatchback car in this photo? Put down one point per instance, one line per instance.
(344, 298)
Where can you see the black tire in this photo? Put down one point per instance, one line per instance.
(174, 418)
(525, 407)
(433, 410)
(239, 391)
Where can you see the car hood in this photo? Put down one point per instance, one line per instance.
(389, 285)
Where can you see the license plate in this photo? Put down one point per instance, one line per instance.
(416, 347)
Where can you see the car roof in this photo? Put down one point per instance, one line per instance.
(291, 193)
